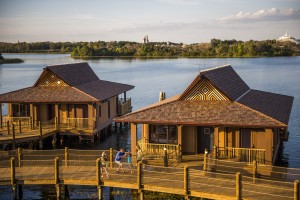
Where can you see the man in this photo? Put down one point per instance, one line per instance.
(118, 159)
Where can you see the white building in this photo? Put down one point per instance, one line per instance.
(288, 38)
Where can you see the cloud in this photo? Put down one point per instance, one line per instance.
(271, 14)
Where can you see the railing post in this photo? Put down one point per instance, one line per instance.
(31, 123)
(98, 178)
(254, 170)
(215, 152)
(14, 136)
(56, 170)
(12, 171)
(7, 124)
(111, 158)
(186, 180)
(179, 153)
(296, 190)
(238, 186)
(20, 126)
(165, 157)
(139, 176)
(205, 160)
(66, 156)
(20, 155)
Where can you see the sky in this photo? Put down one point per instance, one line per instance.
(186, 21)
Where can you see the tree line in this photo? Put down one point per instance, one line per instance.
(216, 48)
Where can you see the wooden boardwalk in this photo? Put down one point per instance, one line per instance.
(182, 181)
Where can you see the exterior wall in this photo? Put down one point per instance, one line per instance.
(103, 118)
(189, 134)
(42, 113)
(269, 146)
(258, 138)
(231, 137)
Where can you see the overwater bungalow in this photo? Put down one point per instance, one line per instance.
(68, 99)
(217, 112)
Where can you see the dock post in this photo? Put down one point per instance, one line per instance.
(139, 180)
(66, 156)
(111, 158)
(13, 177)
(20, 126)
(31, 123)
(186, 181)
(254, 170)
(98, 178)
(41, 135)
(20, 192)
(296, 190)
(20, 156)
(7, 124)
(238, 186)
(56, 178)
(165, 158)
(14, 136)
(205, 160)
(215, 152)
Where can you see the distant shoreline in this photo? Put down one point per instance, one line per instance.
(11, 60)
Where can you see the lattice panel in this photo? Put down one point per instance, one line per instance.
(205, 91)
(52, 79)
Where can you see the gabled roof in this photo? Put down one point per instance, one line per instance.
(82, 85)
(276, 106)
(244, 107)
(73, 74)
(223, 78)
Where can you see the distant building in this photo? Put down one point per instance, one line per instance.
(288, 38)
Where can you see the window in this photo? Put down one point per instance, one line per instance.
(163, 134)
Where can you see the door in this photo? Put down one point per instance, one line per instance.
(246, 138)
(206, 139)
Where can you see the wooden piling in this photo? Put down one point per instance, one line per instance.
(20, 191)
(205, 160)
(186, 180)
(238, 186)
(215, 152)
(165, 158)
(12, 171)
(41, 135)
(98, 178)
(31, 123)
(111, 158)
(254, 170)
(20, 156)
(66, 156)
(14, 136)
(20, 126)
(7, 125)
(139, 176)
(56, 170)
(296, 190)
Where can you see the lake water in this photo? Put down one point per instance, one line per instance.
(150, 76)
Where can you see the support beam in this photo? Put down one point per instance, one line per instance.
(133, 129)
(296, 190)
(111, 158)
(238, 186)
(186, 181)
(1, 120)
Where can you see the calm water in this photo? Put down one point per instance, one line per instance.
(150, 76)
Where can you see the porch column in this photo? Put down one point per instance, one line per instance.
(35, 114)
(31, 114)
(146, 132)
(179, 130)
(237, 138)
(269, 146)
(56, 108)
(133, 130)
(90, 116)
(216, 136)
(10, 110)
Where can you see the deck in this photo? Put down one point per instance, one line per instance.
(83, 168)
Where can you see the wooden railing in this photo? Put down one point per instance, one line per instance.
(76, 123)
(15, 120)
(156, 151)
(124, 106)
(240, 154)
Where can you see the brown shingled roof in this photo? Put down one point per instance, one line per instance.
(84, 86)
(202, 113)
(226, 80)
(46, 94)
(276, 106)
